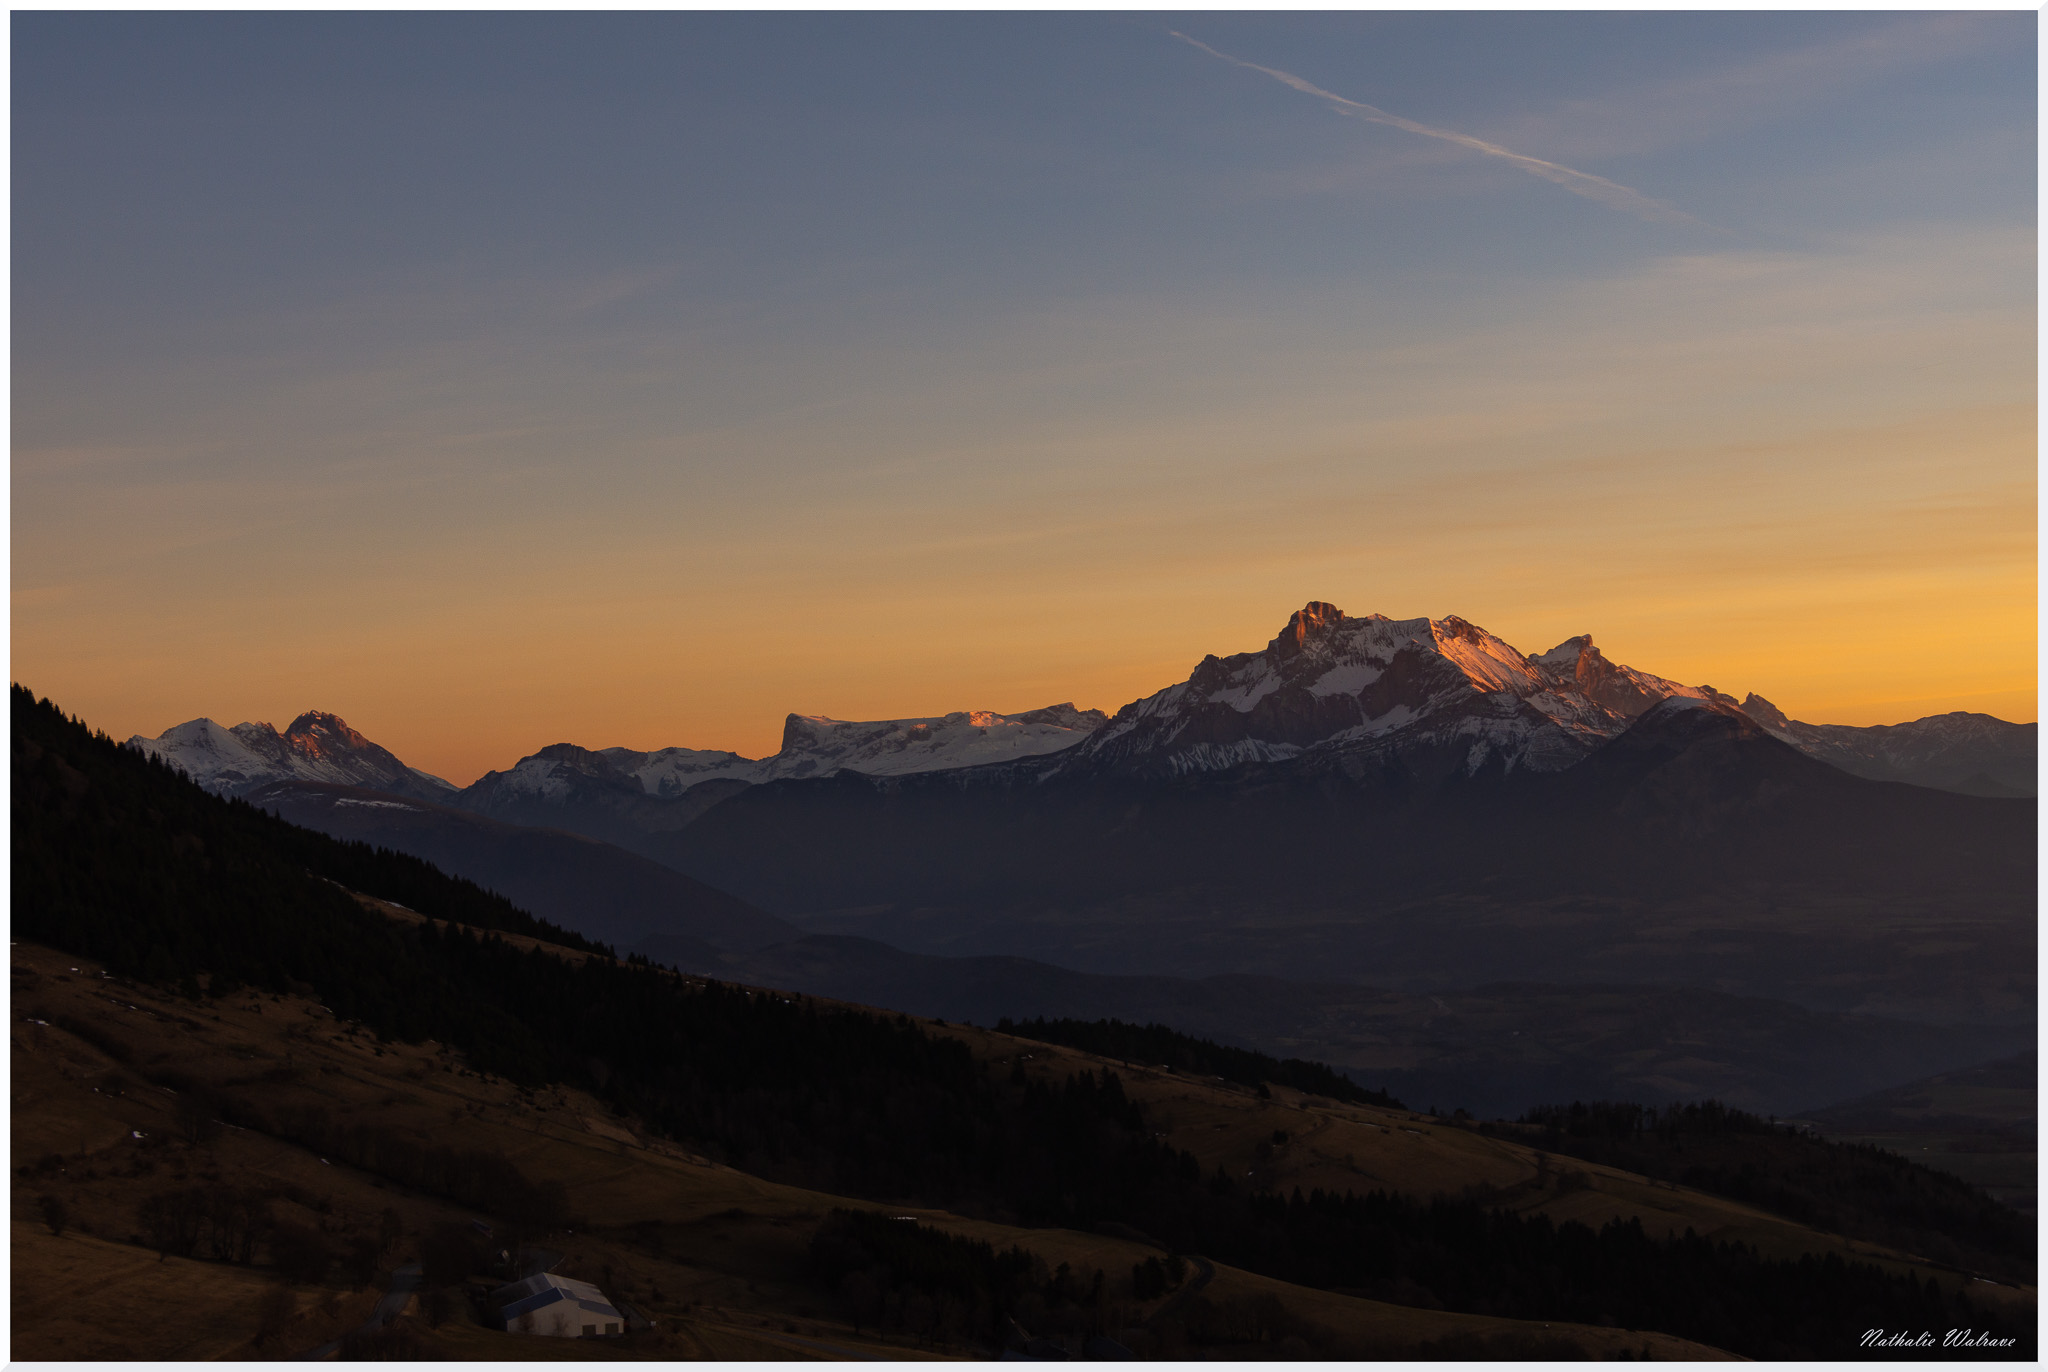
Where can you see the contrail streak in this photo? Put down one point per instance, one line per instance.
(1577, 182)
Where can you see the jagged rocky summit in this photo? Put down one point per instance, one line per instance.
(1376, 687)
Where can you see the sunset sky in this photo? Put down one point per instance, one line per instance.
(496, 381)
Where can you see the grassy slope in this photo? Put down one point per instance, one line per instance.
(1361, 1148)
(80, 1297)
(1340, 1147)
(715, 1254)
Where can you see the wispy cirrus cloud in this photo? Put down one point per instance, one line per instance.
(1656, 114)
(1597, 188)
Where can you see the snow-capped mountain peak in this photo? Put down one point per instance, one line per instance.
(318, 733)
(317, 746)
(1370, 685)
(1439, 695)
(1313, 623)
(1565, 656)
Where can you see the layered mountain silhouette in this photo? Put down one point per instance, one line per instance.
(580, 883)
(1959, 751)
(1328, 684)
(1364, 759)
(1692, 847)
(1412, 803)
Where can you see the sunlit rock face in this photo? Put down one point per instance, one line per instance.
(1374, 686)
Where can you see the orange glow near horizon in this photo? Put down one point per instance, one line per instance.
(1848, 629)
(469, 731)
(1868, 560)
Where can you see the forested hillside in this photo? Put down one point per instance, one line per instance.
(1844, 1188)
(1156, 1043)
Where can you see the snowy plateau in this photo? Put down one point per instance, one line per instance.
(813, 746)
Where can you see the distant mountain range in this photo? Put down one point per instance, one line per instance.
(1974, 754)
(1370, 690)
(1413, 803)
(1693, 847)
(1328, 684)
(631, 798)
(323, 748)
(537, 832)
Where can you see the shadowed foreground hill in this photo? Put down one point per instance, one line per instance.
(794, 1092)
(728, 1265)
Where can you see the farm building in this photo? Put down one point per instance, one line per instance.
(559, 1307)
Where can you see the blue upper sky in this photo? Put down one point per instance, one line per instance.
(191, 168)
(725, 312)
